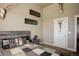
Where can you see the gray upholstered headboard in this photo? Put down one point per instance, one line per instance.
(12, 34)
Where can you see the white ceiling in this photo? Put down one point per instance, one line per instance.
(42, 5)
(7, 5)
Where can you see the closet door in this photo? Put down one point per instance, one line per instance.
(61, 32)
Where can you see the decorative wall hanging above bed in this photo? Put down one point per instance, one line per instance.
(34, 13)
(30, 21)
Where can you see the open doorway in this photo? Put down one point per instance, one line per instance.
(77, 33)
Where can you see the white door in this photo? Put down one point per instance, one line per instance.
(61, 32)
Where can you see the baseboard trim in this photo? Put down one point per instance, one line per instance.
(73, 50)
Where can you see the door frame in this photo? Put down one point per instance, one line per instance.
(76, 32)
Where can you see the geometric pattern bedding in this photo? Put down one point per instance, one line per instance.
(30, 50)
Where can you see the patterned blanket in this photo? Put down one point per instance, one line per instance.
(30, 50)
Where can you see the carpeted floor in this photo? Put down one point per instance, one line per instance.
(62, 51)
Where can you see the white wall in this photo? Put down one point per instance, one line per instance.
(14, 20)
(52, 12)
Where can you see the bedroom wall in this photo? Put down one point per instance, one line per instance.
(51, 12)
(14, 20)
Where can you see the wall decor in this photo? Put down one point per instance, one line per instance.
(30, 21)
(60, 24)
(34, 13)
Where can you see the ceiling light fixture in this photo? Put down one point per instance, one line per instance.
(3, 9)
(2, 13)
(60, 5)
